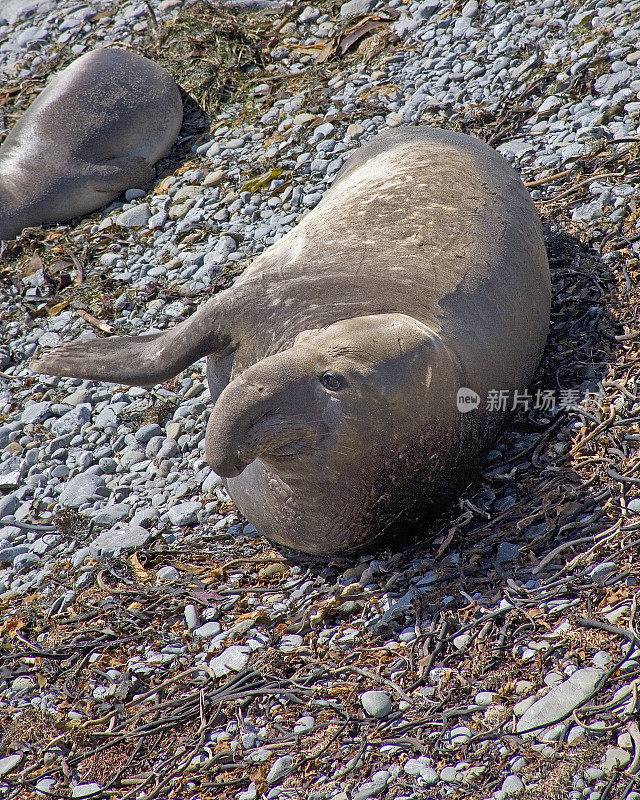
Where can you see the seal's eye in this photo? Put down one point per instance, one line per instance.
(332, 381)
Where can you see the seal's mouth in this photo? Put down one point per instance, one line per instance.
(231, 468)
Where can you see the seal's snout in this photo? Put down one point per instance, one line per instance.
(227, 469)
(227, 445)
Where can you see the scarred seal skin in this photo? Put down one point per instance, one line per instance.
(97, 129)
(336, 359)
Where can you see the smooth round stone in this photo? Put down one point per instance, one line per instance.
(461, 641)
(304, 724)
(136, 217)
(248, 741)
(20, 684)
(153, 446)
(601, 659)
(407, 635)
(168, 449)
(600, 573)
(208, 630)
(518, 764)
(634, 505)
(167, 573)
(615, 758)
(484, 698)
(512, 785)
(458, 736)
(83, 489)
(147, 432)
(78, 397)
(448, 774)
(376, 704)
(184, 513)
(110, 514)
(46, 786)
(191, 616)
(290, 643)
(87, 790)
(9, 763)
(281, 768)
(120, 538)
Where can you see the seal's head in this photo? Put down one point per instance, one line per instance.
(308, 437)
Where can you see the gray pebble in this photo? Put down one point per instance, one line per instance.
(281, 768)
(8, 505)
(72, 421)
(145, 517)
(167, 573)
(193, 620)
(304, 724)
(85, 581)
(9, 763)
(376, 703)
(136, 217)
(83, 489)
(35, 413)
(93, 790)
(123, 538)
(80, 556)
(113, 512)
(233, 659)
(507, 552)
(449, 775)
(184, 513)
(208, 630)
(147, 432)
(561, 699)
(512, 785)
(603, 571)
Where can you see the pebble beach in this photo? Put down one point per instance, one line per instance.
(153, 644)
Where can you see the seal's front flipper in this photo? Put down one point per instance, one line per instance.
(118, 174)
(141, 360)
(126, 359)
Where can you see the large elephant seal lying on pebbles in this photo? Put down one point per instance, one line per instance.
(95, 130)
(336, 359)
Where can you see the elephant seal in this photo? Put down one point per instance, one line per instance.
(94, 131)
(336, 359)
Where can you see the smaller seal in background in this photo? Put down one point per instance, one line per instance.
(96, 129)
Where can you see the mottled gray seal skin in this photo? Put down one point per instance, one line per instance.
(94, 131)
(335, 360)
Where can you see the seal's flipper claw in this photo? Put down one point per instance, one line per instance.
(120, 359)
